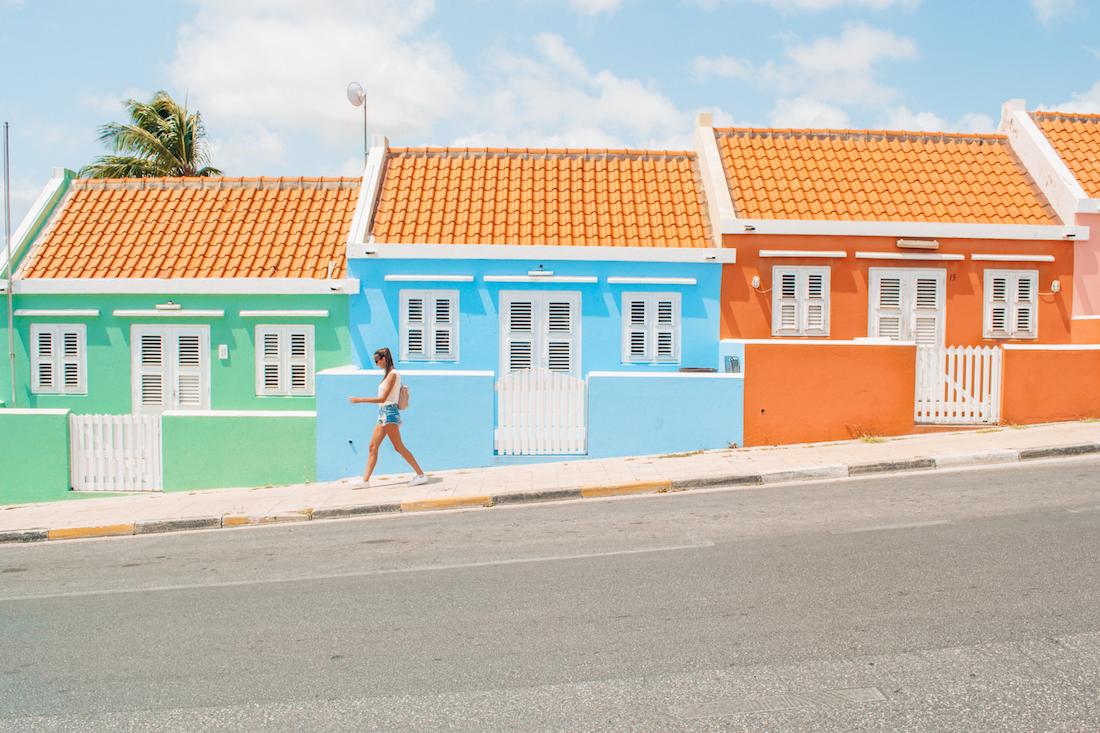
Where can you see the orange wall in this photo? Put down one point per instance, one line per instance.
(1047, 386)
(747, 313)
(797, 393)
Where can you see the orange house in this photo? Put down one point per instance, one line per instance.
(934, 238)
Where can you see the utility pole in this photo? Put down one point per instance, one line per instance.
(7, 268)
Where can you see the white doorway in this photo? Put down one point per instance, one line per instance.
(170, 368)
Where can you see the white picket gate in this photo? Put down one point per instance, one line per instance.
(540, 413)
(115, 452)
(958, 385)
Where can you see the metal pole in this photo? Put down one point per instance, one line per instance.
(366, 144)
(7, 268)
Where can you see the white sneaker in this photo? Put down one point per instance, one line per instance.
(361, 485)
(419, 480)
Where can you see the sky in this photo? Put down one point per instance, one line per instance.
(269, 76)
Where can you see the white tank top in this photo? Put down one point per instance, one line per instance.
(390, 399)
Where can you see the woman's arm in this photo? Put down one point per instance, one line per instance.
(387, 387)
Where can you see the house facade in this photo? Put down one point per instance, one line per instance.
(532, 299)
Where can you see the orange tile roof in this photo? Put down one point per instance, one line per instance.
(541, 196)
(1076, 138)
(878, 175)
(198, 228)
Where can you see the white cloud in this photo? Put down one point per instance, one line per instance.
(112, 104)
(819, 5)
(595, 7)
(1086, 102)
(1048, 10)
(284, 65)
(724, 66)
(531, 102)
(902, 118)
(805, 111)
(24, 192)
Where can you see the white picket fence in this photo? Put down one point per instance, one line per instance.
(958, 385)
(540, 413)
(115, 452)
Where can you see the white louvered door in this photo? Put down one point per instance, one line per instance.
(908, 305)
(541, 399)
(171, 368)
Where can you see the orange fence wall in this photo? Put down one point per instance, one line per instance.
(801, 392)
(746, 312)
(1050, 385)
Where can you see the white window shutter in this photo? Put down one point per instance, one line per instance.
(190, 377)
(636, 332)
(429, 325)
(887, 312)
(559, 334)
(1011, 303)
(520, 337)
(1027, 305)
(800, 301)
(270, 360)
(414, 326)
(651, 327)
(151, 370)
(72, 360)
(58, 359)
(443, 326)
(44, 377)
(668, 319)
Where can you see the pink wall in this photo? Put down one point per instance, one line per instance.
(1086, 282)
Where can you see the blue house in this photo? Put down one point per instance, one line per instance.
(540, 304)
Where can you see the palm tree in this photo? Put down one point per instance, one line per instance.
(162, 139)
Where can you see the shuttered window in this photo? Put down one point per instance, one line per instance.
(908, 305)
(651, 328)
(429, 325)
(58, 359)
(540, 330)
(1011, 304)
(284, 361)
(170, 368)
(800, 301)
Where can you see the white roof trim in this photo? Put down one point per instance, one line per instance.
(835, 254)
(822, 342)
(1051, 347)
(713, 173)
(239, 413)
(34, 411)
(368, 194)
(1012, 258)
(429, 278)
(187, 286)
(1041, 160)
(652, 281)
(936, 256)
(354, 370)
(182, 313)
(57, 312)
(578, 279)
(379, 250)
(285, 314)
(667, 375)
(48, 197)
(905, 229)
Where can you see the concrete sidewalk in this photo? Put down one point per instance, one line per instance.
(211, 509)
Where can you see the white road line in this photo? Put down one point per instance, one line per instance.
(360, 574)
(1084, 509)
(884, 527)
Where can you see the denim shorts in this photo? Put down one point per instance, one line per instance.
(389, 415)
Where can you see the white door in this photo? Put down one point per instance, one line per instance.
(908, 305)
(540, 330)
(170, 368)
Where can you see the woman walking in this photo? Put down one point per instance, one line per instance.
(389, 418)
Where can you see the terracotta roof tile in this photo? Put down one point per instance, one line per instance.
(1076, 138)
(541, 196)
(878, 175)
(197, 227)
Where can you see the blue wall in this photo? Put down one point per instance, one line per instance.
(375, 311)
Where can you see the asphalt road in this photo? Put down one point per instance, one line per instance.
(964, 601)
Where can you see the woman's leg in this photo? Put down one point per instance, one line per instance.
(375, 443)
(394, 434)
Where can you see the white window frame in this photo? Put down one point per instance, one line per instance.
(541, 338)
(283, 360)
(430, 325)
(59, 362)
(170, 370)
(907, 311)
(649, 330)
(1012, 304)
(802, 302)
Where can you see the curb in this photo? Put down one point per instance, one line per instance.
(831, 471)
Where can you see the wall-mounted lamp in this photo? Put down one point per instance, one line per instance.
(750, 228)
(1069, 235)
(756, 281)
(171, 305)
(1056, 286)
(918, 244)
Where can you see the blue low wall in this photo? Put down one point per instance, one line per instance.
(450, 421)
(636, 414)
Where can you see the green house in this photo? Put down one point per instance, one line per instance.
(201, 307)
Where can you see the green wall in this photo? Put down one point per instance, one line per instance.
(34, 456)
(232, 381)
(226, 451)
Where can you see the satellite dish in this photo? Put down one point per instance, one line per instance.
(356, 95)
